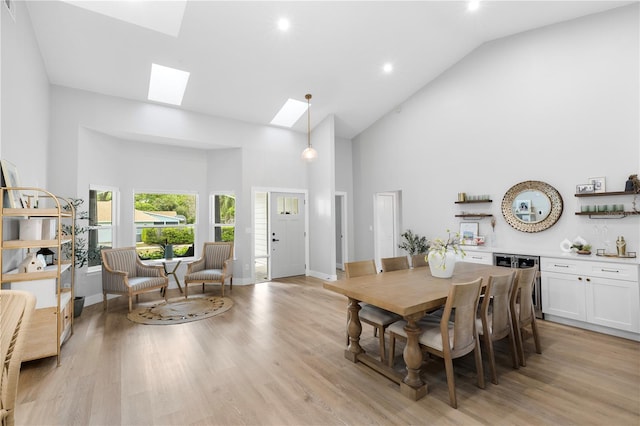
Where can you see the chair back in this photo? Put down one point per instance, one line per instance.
(419, 260)
(16, 308)
(496, 296)
(216, 253)
(121, 259)
(463, 298)
(521, 296)
(394, 263)
(358, 269)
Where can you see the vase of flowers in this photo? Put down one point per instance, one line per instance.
(442, 255)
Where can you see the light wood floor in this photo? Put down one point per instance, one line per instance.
(276, 358)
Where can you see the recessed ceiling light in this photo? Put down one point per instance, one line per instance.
(473, 5)
(289, 114)
(167, 85)
(283, 24)
(387, 68)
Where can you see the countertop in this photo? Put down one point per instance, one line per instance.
(551, 253)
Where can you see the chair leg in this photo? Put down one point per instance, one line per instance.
(520, 346)
(392, 349)
(222, 289)
(382, 346)
(479, 368)
(104, 301)
(231, 283)
(512, 349)
(448, 366)
(488, 343)
(536, 338)
(130, 304)
(186, 290)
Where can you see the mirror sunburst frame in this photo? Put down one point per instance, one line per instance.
(532, 185)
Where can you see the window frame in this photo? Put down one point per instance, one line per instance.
(115, 215)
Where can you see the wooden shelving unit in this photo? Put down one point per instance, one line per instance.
(52, 322)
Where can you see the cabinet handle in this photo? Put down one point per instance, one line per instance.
(588, 280)
(579, 278)
(609, 270)
(561, 266)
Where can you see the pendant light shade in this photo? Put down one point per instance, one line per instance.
(309, 154)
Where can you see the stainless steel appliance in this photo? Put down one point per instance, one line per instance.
(523, 261)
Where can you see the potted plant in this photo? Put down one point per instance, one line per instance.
(442, 255)
(413, 244)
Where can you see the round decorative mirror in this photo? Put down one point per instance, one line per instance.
(532, 206)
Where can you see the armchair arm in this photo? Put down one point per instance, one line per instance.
(113, 279)
(195, 266)
(227, 268)
(143, 270)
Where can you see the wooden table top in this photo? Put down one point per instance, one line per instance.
(409, 291)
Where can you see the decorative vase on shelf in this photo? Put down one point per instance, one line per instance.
(442, 265)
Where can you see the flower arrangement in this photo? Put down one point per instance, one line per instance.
(440, 246)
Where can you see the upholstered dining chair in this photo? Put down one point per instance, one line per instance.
(376, 317)
(419, 260)
(494, 322)
(16, 309)
(124, 273)
(522, 311)
(449, 339)
(394, 263)
(214, 267)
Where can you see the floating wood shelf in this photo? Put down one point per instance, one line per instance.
(604, 194)
(473, 201)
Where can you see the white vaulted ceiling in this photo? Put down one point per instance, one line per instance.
(243, 67)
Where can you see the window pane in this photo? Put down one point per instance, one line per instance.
(164, 220)
(224, 217)
(287, 205)
(100, 224)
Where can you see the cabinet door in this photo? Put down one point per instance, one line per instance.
(563, 295)
(613, 303)
(483, 258)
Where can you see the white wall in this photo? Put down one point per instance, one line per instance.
(558, 104)
(25, 99)
(321, 177)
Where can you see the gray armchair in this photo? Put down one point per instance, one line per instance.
(214, 267)
(124, 273)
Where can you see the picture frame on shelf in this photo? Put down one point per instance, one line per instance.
(599, 184)
(10, 179)
(585, 188)
(468, 232)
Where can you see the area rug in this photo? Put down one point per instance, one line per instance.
(181, 310)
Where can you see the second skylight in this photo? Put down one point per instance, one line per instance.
(290, 113)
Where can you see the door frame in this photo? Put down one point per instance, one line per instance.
(270, 191)
(344, 228)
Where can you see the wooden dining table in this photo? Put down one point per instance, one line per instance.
(409, 293)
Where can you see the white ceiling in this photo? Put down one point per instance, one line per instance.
(242, 67)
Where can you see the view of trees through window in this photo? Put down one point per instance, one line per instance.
(164, 222)
(224, 208)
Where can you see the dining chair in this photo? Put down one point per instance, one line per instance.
(377, 317)
(449, 339)
(494, 322)
(124, 273)
(16, 309)
(419, 260)
(213, 267)
(394, 263)
(522, 311)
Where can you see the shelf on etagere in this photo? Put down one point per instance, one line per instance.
(50, 271)
(19, 244)
(35, 213)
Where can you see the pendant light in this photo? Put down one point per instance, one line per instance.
(309, 154)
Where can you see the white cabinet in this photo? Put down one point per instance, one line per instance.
(599, 293)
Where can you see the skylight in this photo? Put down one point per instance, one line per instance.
(289, 114)
(167, 85)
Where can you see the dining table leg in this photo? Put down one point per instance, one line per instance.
(412, 385)
(354, 329)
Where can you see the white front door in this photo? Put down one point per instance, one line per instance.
(287, 218)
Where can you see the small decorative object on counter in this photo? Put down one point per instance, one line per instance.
(632, 184)
(621, 245)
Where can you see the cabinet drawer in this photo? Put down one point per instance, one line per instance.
(616, 271)
(562, 266)
(478, 257)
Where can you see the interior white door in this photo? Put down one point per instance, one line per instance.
(287, 219)
(339, 233)
(385, 225)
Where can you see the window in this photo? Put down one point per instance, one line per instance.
(102, 214)
(164, 222)
(224, 217)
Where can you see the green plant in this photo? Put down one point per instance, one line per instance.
(81, 252)
(413, 243)
(441, 246)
